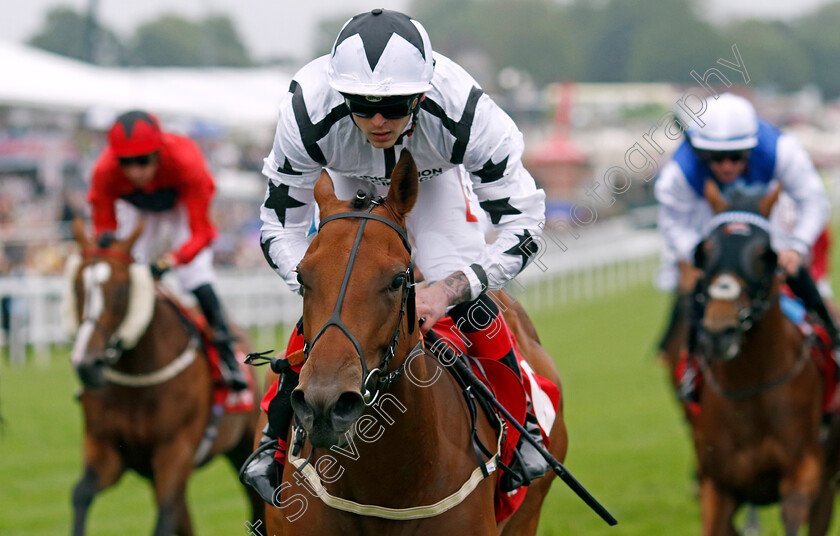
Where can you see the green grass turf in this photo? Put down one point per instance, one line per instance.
(628, 445)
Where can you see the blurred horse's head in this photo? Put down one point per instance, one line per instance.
(110, 303)
(738, 265)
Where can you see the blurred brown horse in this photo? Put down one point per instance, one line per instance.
(756, 435)
(390, 447)
(148, 392)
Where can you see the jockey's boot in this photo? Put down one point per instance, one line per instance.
(211, 308)
(487, 335)
(803, 286)
(527, 464)
(263, 471)
(687, 390)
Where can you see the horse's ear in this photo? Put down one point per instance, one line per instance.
(712, 194)
(767, 202)
(80, 234)
(325, 194)
(402, 194)
(126, 245)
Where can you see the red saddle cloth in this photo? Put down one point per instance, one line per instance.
(232, 401)
(514, 396)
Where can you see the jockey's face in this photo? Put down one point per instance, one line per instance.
(726, 171)
(384, 119)
(139, 170)
(380, 132)
(726, 165)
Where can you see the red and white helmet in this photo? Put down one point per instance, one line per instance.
(135, 133)
(381, 53)
(731, 124)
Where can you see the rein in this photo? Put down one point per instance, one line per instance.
(373, 381)
(740, 394)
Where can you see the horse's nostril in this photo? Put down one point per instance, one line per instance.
(301, 408)
(347, 409)
(92, 375)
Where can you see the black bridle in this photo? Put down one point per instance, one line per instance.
(371, 385)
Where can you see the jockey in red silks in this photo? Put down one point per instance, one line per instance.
(381, 90)
(161, 179)
(745, 156)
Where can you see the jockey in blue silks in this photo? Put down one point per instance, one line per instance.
(745, 156)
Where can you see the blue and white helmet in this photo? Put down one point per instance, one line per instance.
(381, 53)
(731, 124)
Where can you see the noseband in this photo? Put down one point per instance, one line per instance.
(371, 386)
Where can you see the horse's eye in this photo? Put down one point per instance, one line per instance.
(398, 282)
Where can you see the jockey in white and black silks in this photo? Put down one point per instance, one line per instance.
(381, 90)
(746, 156)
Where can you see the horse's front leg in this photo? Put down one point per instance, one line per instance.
(717, 510)
(172, 464)
(798, 492)
(820, 514)
(103, 468)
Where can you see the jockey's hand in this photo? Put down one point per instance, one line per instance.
(162, 265)
(790, 260)
(432, 301)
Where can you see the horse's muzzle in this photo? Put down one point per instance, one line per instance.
(723, 344)
(326, 419)
(92, 374)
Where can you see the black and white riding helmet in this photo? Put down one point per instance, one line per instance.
(380, 54)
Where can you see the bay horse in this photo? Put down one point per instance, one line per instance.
(757, 432)
(147, 394)
(391, 449)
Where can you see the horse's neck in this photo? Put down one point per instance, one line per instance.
(164, 340)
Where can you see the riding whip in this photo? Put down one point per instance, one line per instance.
(460, 364)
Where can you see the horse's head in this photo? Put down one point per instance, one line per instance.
(358, 310)
(738, 265)
(109, 303)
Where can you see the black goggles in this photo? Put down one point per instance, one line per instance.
(395, 107)
(141, 160)
(719, 156)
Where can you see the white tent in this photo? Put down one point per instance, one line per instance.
(237, 98)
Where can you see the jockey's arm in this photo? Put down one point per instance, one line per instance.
(801, 182)
(101, 201)
(286, 215)
(196, 193)
(509, 196)
(681, 213)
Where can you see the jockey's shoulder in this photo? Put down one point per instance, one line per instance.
(452, 86)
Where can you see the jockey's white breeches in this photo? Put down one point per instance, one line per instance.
(164, 232)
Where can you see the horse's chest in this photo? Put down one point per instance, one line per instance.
(744, 449)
